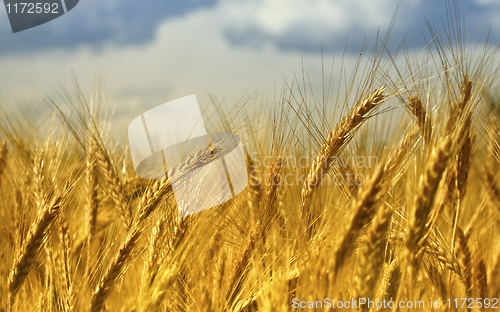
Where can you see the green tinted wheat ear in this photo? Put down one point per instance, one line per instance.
(26, 255)
(338, 138)
(390, 282)
(428, 185)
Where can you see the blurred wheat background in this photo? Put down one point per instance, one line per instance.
(81, 232)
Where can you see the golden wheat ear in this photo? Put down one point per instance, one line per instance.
(271, 212)
(444, 255)
(480, 280)
(241, 269)
(3, 159)
(165, 279)
(423, 119)
(362, 212)
(115, 187)
(67, 269)
(465, 257)
(33, 244)
(91, 186)
(336, 140)
(114, 272)
(427, 189)
(370, 260)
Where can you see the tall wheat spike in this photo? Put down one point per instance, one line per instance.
(114, 272)
(362, 213)
(423, 120)
(3, 159)
(466, 257)
(115, 186)
(26, 255)
(91, 181)
(337, 138)
(271, 212)
(415, 240)
(370, 260)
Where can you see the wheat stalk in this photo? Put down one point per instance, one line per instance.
(466, 257)
(390, 281)
(362, 212)
(340, 135)
(444, 256)
(114, 272)
(271, 212)
(26, 255)
(91, 184)
(67, 268)
(241, 270)
(423, 121)
(161, 190)
(463, 163)
(480, 280)
(3, 159)
(151, 263)
(415, 239)
(115, 187)
(159, 290)
(370, 260)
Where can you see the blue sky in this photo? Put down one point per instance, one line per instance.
(155, 51)
(96, 23)
(288, 25)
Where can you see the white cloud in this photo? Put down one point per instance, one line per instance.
(188, 55)
(191, 54)
(277, 17)
(301, 24)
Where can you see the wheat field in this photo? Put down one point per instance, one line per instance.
(358, 205)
